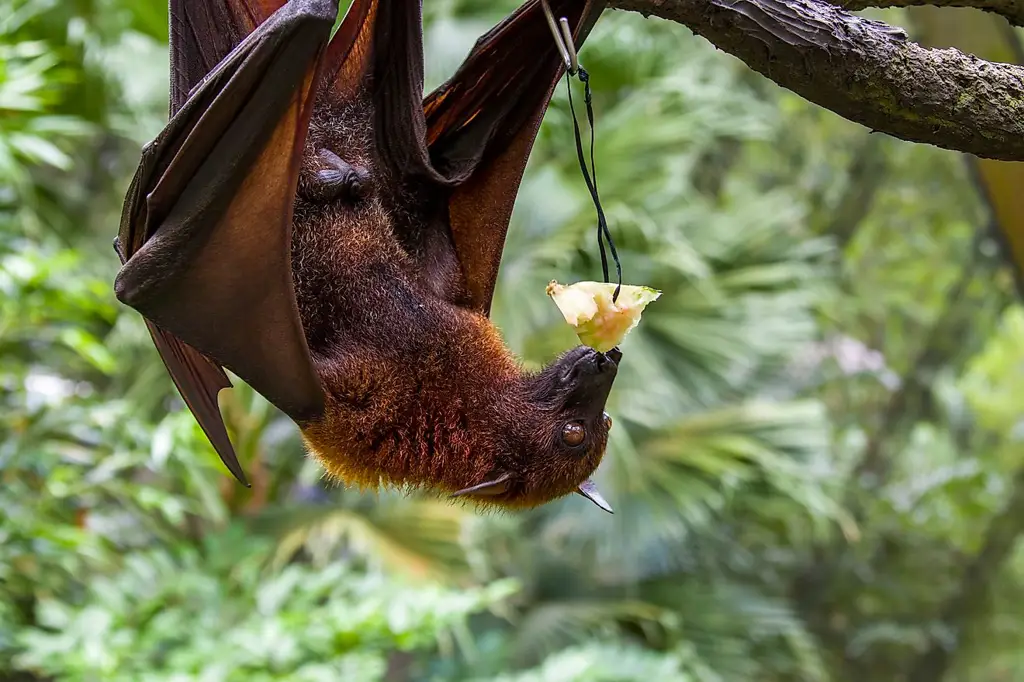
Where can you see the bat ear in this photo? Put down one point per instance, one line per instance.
(482, 124)
(588, 490)
(494, 487)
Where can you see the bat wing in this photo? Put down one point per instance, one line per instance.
(203, 32)
(471, 137)
(205, 235)
(481, 126)
(377, 53)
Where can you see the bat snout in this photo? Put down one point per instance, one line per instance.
(587, 378)
(592, 363)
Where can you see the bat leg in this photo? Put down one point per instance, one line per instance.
(206, 228)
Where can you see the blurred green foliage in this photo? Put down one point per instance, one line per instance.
(231, 620)
(817, 441)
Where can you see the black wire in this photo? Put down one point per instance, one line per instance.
(603, 233)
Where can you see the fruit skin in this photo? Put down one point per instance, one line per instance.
(599, 322)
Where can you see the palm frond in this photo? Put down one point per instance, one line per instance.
(613, 661)
(418, 538)
(555, 624)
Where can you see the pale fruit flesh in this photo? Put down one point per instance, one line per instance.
(599, 322)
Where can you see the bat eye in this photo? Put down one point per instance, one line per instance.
(573, 434)
(607, 422)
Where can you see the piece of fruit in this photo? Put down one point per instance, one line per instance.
(600, 323)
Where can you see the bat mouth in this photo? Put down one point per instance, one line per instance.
(583, 364)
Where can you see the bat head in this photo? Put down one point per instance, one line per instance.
(557, 435)
(570, 433)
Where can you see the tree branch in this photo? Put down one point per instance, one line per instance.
(864, 70)
(1013, 10)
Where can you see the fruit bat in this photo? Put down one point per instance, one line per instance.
(309, 221)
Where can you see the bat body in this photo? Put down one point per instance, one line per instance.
(419, 386)
(309, 221)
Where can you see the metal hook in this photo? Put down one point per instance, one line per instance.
(574, 62)
(563, 39)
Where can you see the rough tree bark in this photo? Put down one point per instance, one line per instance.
(866, 71)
